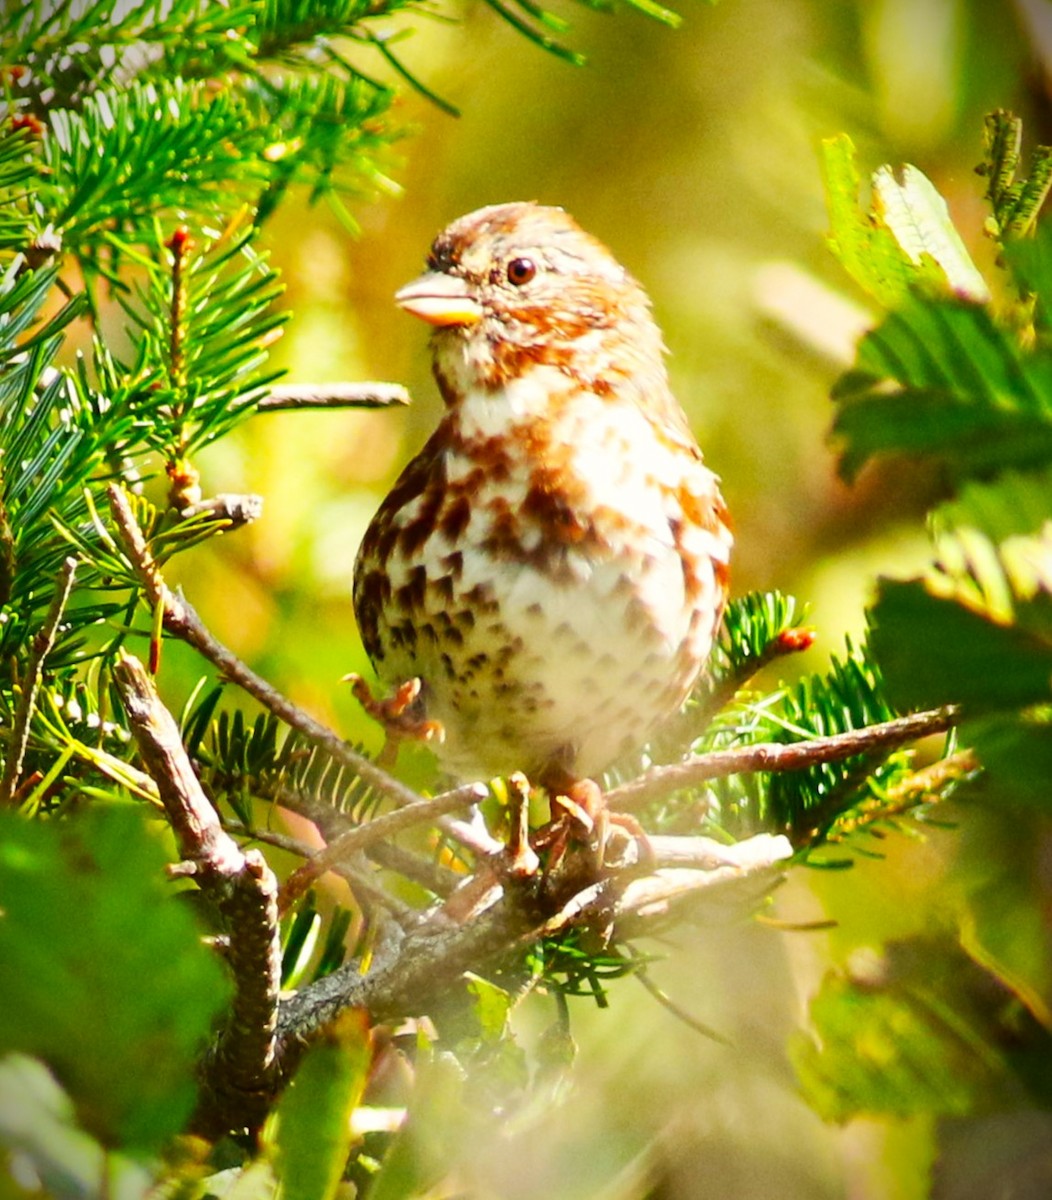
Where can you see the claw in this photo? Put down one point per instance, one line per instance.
(396, 714)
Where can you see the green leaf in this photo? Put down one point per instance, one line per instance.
(1016, 753)
(906, 240)
(932, 650)
(492, 1005)
(941, 378)
(919, 220)
(1000, 869)
(312, 1133)
(93, 938)
(37, 1122)
(435, 1132)
(1030, 262)
(867, 251)
(923, 1030)
(1017, 503)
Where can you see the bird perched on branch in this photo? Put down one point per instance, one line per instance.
(553, 564)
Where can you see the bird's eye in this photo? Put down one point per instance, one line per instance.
(521, 271)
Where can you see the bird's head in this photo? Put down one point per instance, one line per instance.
(516, 285)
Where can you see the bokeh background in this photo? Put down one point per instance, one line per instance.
(693, 153)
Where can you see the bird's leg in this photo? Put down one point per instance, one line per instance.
(579, 810)
(522, 858)
(401, 715)
(577, 813)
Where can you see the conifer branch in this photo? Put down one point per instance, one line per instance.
(919, 787)
(43, 644)
(239, 1072)
(332, 822)
(180, 620)
(780, 756)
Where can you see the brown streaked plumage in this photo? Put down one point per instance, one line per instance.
(553, 563)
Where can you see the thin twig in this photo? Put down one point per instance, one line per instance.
(356, 878)
(182, 621)
(678, 1011)
(231, 509)
(362, 884)
(271, 837)
(472, 835)
(294, 396)
(43, 643)
(433, 877)
(239, 1074)
(332, 822)
(919, 787)
(379, 829)
(779, 756)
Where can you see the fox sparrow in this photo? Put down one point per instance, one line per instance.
(552, 565)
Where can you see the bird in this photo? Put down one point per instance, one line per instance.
(545, 580)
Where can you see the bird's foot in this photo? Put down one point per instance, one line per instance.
(580, 814)
(401, 714)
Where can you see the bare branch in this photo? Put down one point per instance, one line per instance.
(379, 829)
(780, 756)
(43, 643)
(294, 396)
(332, 822)
(239, 1074)
(232, 509)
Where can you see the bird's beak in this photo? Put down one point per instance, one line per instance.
(440, 299)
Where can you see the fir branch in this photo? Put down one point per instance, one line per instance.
(181, 621)
(779, 756)
(239, 1072)
(331, 823)
(929, 784)
(43, 644)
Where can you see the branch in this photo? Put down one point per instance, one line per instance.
(780, 756)
(361, 836)
(43, 644)
(923, 786)
(183, 622)
(332, 822)
(294, 396)
(239, 1074)
(432, 958)
(230, 509)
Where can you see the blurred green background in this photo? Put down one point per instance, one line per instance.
(693, 155)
